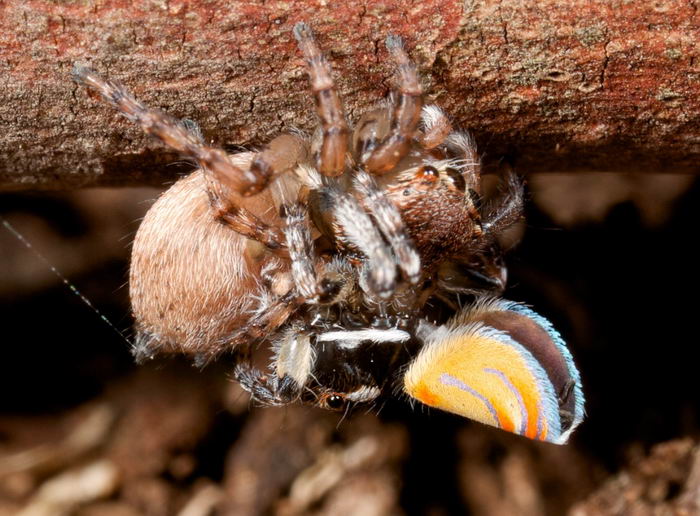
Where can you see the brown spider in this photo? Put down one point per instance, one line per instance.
(354, 278)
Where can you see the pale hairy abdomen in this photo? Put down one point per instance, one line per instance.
(191, 277)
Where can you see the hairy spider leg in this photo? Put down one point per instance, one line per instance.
(370, 129)
(301, 254)
(331, 157)
(436, 127)
(265, 389)
(301, 250)
(462, 145)
(507, 208)
(358, 229)
(388, 219)
(243, 181)
(223, 176)
(407, 106)
(243, 221)
(282, 154)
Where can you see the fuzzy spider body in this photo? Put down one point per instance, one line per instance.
(345, 255)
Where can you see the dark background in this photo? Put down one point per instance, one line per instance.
(609, 258)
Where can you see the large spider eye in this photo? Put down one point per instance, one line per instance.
(333, 401)
(428, 175)
(456, 178)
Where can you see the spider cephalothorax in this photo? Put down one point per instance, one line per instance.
(347, 256)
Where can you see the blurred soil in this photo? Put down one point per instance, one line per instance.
(609, 258)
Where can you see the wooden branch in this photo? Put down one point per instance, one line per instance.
(563, 86)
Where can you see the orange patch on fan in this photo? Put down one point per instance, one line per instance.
(423, 394)
(504, 420)
(533, 410)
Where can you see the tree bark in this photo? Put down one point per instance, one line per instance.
(554, 86)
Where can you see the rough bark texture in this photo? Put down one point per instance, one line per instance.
(584, 84)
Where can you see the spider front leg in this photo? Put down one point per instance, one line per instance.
(388, 220)
(226, 175)
(405, 115)
(358, 229)
(334, 143)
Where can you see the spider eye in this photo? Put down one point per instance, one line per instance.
(428, 175)
(333, 401)
(456, 178)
